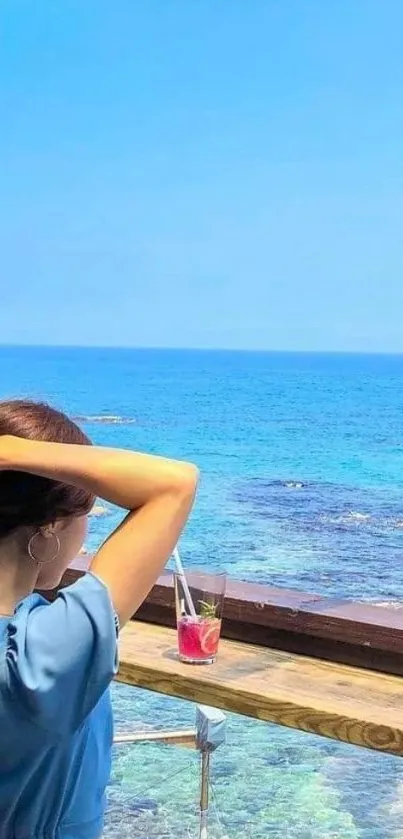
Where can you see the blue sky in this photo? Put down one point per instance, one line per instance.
(208, 173)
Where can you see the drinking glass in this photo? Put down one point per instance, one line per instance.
(199, 618)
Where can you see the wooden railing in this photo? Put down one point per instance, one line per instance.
(360, 634)
(286, 658)
(333, 700)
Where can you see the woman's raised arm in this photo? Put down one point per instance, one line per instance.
(158, 493)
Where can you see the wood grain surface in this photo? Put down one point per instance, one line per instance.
(333, 700)
(359, 634)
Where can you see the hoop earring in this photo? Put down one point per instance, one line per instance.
(43, 561)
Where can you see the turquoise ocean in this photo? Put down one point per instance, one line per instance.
(302, 462)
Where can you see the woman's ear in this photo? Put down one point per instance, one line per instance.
(49, 531)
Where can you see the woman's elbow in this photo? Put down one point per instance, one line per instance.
(189, 478)
(185, 480)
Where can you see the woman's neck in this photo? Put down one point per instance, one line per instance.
(18, 576)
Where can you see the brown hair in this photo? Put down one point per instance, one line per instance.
(28, 500)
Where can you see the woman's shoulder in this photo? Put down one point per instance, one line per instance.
(28, 604)
(88, 594)
(61, 656)
(88, 585)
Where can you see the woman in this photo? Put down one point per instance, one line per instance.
(57, 660)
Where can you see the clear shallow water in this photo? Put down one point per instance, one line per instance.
(302, 460)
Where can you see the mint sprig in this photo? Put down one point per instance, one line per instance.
(208, 610)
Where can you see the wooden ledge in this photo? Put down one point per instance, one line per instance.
(332, 700)
(359, 634)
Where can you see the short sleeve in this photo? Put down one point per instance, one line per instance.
(61, 657)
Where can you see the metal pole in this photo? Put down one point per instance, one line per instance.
(204, 793)
(210, 728)
(181, 737)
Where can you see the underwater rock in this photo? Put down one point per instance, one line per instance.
(139, 805)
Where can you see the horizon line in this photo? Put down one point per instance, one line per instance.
(151, 348)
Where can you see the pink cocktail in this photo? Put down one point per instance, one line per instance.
(198, 639)
(199, 600)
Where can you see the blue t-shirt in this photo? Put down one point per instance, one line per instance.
(56, 663)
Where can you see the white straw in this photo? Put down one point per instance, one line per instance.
(181, 574)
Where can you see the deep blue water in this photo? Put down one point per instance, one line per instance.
(302, 461)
